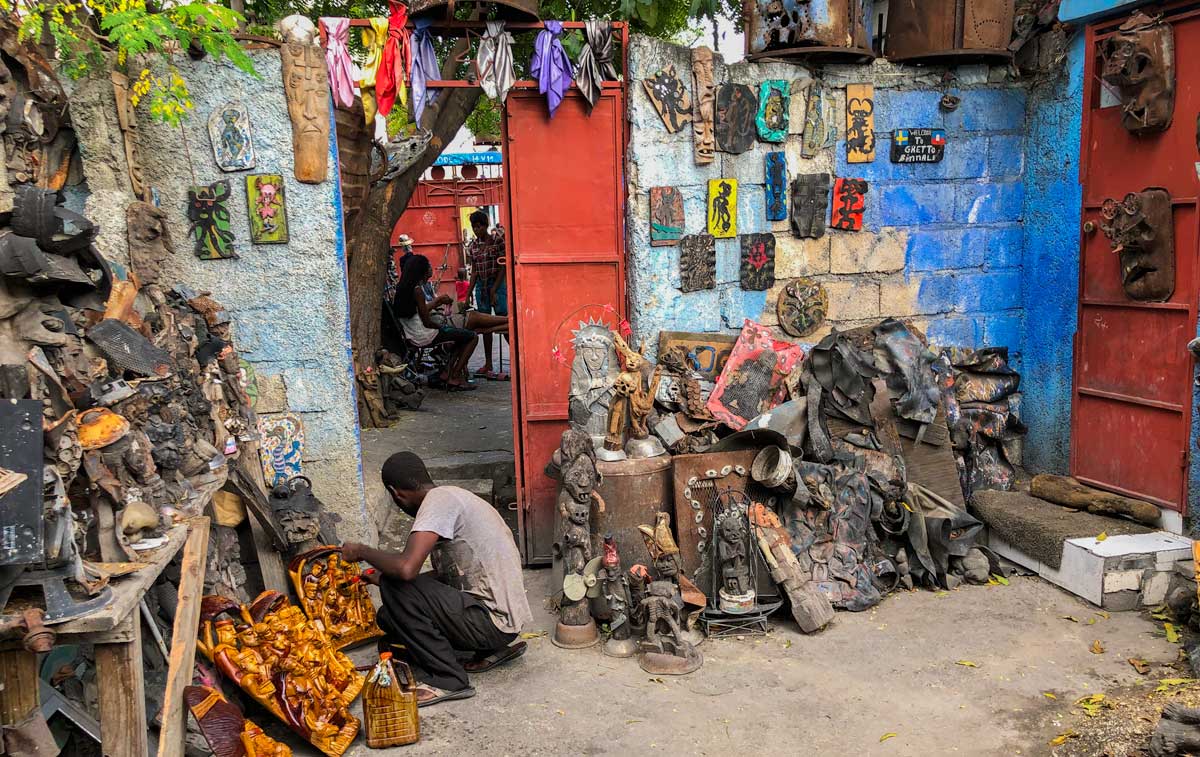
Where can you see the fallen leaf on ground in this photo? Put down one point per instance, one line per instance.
(1048, 695)
(1172, 632)
(941, 594)
(1140, 665)
(1160, 613)
(1071, 618)
(631, 722)
(1102, 614)
(1102, 536)
(886, 736)
(560, 712)
(1062, 738)
(1167, 684)
(1097, 647)
(1091, 621)
(966, 664)
(1000, 579)
(787, 644)
(533, 634)
(658, 680)
(1092, 704)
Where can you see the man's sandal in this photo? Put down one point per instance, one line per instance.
(429, 695)
(496, 658)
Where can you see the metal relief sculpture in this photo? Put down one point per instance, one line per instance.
(229, 132)
(825, 30)
(734, 125)
(333, 596)
(814, 123)
(810, 204)
(758, 261)
(306, 85)
(670, 98)
(1142, 232)
(722, 208)
(267, 209)
(776, 176)
(704, 144)
(666, 216)
(1139, 62)
(773, 108)
(594, 373)
(208, 213)
(697, 262)
(802, 307)
(149, 240)
(849, 202)
(860, 123)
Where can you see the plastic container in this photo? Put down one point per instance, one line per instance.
(390, 705)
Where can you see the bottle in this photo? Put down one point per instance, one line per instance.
(390, 705)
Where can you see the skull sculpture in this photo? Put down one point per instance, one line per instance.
(1139, 62)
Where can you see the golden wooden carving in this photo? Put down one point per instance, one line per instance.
(333, 596)
(286, 663)
(306, 85)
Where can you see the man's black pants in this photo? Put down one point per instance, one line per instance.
(433, 621)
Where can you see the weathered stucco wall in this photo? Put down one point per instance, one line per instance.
(941, 245)
(288, 301)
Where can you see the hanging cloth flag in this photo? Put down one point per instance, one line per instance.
(392, 78)
(337, 58)
(495, 62)
(424, 67)
(595, 60)
(550, 65)
(373, 39)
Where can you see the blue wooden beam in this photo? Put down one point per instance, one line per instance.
(1077, 11)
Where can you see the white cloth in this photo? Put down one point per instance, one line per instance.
(495, 62)
(416, 332)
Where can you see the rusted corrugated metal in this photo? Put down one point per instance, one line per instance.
(921, 30)
(810, 29)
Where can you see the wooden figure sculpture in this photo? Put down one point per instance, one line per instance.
(228, 732)
(635, 388)
(613, 586)
(306, 86)
(284, 662)
(333, 596)
(576, 628)
(666, 649)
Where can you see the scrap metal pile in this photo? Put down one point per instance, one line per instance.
(831, 474)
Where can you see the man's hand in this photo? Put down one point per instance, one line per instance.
(353, 551)
(442, 299)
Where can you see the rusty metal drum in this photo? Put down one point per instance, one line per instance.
(815, 30)
(933, 30)
(633, 491)
(507, 10)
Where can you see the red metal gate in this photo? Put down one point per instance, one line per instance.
(565, 215)
(1131, 409)
(432, 220)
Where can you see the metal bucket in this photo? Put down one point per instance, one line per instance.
(773, 469)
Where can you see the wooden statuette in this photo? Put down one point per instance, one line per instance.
(333, 596)
(306, 85)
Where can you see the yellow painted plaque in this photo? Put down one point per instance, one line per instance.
(722, 208)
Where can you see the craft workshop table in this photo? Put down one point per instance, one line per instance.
(116, 632)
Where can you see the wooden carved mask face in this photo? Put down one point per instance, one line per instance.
(306, 84)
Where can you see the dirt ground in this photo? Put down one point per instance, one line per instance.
(894, 670)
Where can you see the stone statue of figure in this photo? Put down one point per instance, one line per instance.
(665, 648)
(578, 479)
(614, 589)
(593, 374)
(735, 591)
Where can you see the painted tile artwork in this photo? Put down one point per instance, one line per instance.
(282, 447)
(208, 214)
(666, 216)
(776, 173)
(758, 262)
(229, 132)
(697, 262)
(802, 307)
(267, 209)
(860, 123)
(810, 203)
(752, 381)
(849, 202)
(722, 208)
(773, 106)
(670, 98)
(737, 107)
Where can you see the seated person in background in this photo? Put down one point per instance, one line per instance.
(473, 601)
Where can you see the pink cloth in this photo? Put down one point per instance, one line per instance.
(337, 58)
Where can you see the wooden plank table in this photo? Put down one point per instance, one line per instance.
(116, 632)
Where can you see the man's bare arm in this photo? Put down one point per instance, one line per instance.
(405, 565)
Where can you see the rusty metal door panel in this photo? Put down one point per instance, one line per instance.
(1132, 379)
(565, 216)
(813, 29)
(931, 29)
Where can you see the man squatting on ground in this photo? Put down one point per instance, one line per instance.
(473, 602)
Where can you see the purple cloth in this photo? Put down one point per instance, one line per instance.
(550, 65)
(424, 67)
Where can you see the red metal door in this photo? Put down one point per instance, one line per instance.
(432, 220)
(1132, 404)
(565, 216)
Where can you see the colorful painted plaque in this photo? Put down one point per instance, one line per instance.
(268, 211)
(802, 307)
(758, 262)
(670, 98)
(706, 352)
(918, 145)
(722, 208)
(697, 262)
(703, 142)
(229, 132)
(773, 109)
(777, 205)
(752, 380)
(208, 212)
(737, 107)
(281, 440)
(666, 216)
(810, 203)
(860, 123)
(814, 123)
(849, 202)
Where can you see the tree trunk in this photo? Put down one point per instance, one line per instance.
(1068, 492)
(368, 232)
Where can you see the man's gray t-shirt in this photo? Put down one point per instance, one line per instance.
(476, 553)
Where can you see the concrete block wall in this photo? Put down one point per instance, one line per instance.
(942, 244)
(288, 301)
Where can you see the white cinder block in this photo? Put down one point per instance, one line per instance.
(1121, 580)
(1154, 588)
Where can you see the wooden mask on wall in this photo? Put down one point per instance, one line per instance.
(306, 85)
(704, 143)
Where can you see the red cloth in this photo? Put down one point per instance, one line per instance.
(462, 289)
(397, 58)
